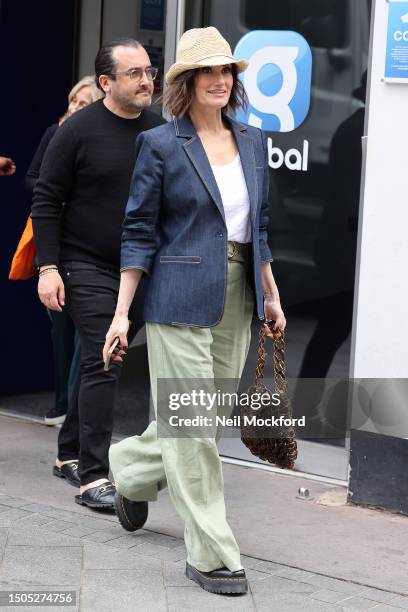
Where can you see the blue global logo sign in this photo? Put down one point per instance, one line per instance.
(277, 80)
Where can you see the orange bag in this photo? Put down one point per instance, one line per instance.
(22, 266)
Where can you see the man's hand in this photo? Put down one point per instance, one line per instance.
(51, 290)
(7, 166)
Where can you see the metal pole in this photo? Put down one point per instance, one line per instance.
(181, 13)
(175, 14)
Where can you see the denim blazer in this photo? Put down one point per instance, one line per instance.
(175, 229)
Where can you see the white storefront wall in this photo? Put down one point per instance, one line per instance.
(380, 329)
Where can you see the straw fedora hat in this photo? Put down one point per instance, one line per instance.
(202, 47)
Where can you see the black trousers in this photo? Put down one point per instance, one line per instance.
(63, 345)
(90, 296)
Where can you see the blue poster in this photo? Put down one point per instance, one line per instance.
(396, 63)
(152, 15)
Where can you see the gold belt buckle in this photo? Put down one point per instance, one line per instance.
(234, 249)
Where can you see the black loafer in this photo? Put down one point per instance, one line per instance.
(69, 471)
(98, 497)
(132, 515)
(219, 581)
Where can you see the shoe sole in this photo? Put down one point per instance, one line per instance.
(122, 516)
(61, 475)
(55, 420)
(79, 500)
(221, 586)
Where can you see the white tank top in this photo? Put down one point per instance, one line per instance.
(234, 193)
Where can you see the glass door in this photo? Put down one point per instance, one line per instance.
(314, 147)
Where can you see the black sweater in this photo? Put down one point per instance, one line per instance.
(33, 171)
(88, 166)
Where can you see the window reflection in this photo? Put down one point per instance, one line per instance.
(321, 22)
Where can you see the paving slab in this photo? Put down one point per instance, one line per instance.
(79, 532)
(3, 541)
(329, 596)
(282, 585)
(293, 573)
(253, 574)
(377, 595)
(182, 599)
(386, 608)
(172, 554)
(267, 599)
(358, 603)
(113, 533)
(98, 537)
(39, 536)
(174, 574)
(12, 502)
(124, 590)
(100, 557)
(58, 526)
(161, 540)
(13, 514)
(350, 588)
(269, 567)
(33, 520)
(35, 564)
(399, 602)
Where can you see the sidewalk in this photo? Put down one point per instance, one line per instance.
(299, 555)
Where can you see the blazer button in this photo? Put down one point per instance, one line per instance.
(220, 235)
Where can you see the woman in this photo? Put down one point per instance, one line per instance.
(83, 93)
(65, 343)
(196, 224)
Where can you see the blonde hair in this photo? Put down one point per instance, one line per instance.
(87, 81)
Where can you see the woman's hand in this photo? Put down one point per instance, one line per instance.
(273, 312)
(119, 328)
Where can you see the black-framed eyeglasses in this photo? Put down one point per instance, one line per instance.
(136, 74)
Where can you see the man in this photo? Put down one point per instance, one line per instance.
(88, 166)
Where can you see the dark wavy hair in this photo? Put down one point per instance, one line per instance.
(179, 95)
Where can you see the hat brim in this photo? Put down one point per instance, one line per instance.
(215, 60)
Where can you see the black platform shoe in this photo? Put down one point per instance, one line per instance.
(98, 497)
(219, 581)
(69, 471)
(132, 515)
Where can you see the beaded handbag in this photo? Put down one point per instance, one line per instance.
(270, 442)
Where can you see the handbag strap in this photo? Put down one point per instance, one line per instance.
(279, 370)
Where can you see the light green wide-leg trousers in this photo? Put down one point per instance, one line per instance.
(191, 467)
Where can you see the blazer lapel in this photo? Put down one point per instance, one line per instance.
(198, 157)
(247, 155)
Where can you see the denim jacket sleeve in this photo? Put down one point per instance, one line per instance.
(139, 235)
(264, 249)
